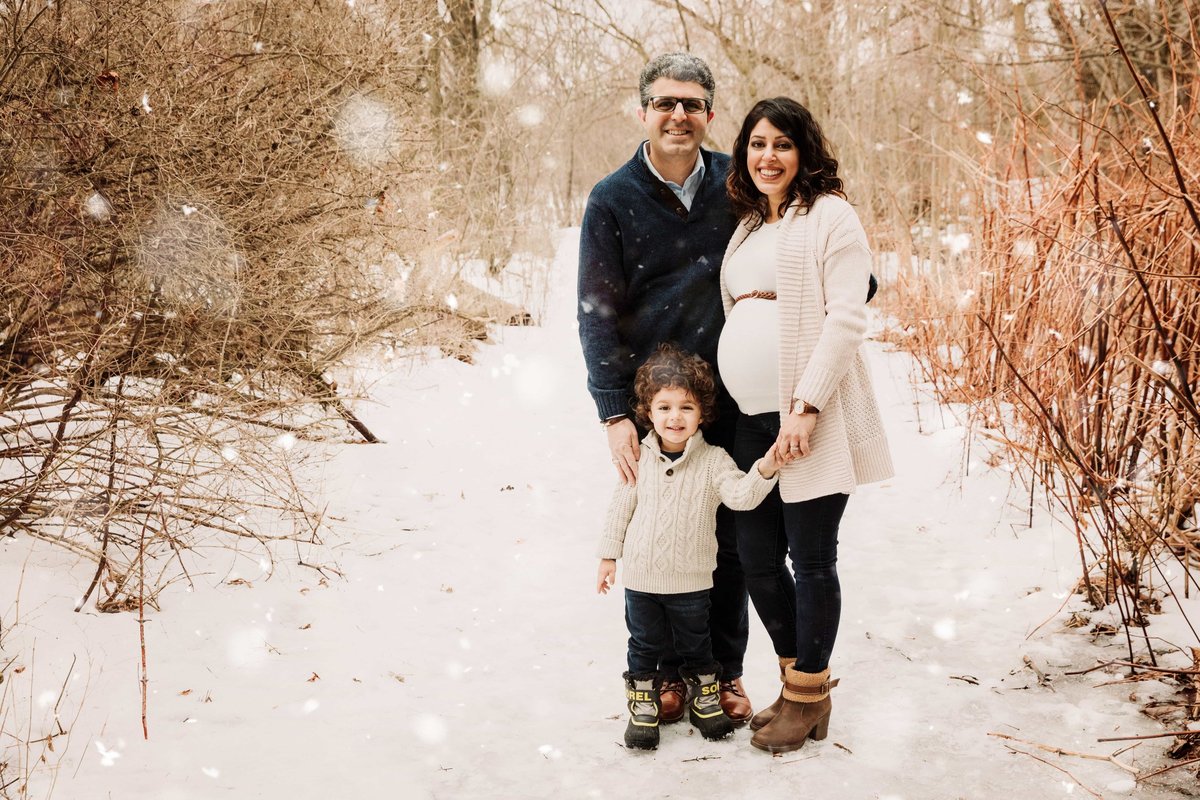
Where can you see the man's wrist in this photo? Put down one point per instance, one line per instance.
(613, 420)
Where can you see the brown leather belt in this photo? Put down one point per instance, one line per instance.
(755, 293)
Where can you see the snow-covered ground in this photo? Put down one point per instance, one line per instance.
(465, 653)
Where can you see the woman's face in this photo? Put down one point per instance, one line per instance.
(772, 160)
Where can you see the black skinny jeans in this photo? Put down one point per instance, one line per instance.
(799, 608)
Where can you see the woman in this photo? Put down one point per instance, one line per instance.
(793, 283)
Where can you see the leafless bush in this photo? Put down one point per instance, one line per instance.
(195, 204)
(1072, 331)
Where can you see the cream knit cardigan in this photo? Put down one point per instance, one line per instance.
(822, 269)
(665, 527)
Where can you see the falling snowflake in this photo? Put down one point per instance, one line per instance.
(983, 136)
(97, 207)
(497, 77)
(107, 757)
(530, 115)
(429, 729)
(366, 130)
(247, 648)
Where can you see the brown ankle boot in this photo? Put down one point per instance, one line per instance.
(673, 694)
(734, 701)
(767, 714)
(803, 715)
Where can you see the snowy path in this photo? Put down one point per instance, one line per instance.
(466, 654)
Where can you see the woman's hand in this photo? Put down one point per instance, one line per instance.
(794, 434)
(607, 576)
(623, 444)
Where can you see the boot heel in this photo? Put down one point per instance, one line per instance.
(820, 730)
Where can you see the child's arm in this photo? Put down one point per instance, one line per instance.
(768, 465)
(739, 490)
(607, 576)
(616, 521)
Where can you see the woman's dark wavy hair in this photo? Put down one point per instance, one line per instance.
(818, 168)
(669, 367)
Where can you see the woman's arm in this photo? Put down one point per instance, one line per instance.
(846, 261)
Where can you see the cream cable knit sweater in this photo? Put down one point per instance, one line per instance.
(665, 527)
(822, 267)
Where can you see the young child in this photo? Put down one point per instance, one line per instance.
(664, 527)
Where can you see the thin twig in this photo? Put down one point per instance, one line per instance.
(1058, 751)
(1057, 767)
(1148, 736)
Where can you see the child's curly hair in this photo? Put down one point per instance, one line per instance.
(673, 368)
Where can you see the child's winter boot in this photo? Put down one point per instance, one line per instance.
(641, 690)
(704, 702)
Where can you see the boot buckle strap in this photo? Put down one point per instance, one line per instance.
(822, 689)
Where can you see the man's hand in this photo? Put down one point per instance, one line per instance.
(623, 444)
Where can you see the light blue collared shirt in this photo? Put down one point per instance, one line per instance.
(691, 184)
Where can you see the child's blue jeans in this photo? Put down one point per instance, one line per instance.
(656, 621)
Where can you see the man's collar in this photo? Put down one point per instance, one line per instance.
(698, 169)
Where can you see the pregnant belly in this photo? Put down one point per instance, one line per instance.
(748, 355)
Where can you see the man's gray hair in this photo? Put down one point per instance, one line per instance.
(683, 67)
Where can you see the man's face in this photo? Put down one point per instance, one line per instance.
(674, 134)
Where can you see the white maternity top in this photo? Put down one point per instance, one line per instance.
(748, 352)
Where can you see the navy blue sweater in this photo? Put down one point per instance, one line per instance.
(649, 272)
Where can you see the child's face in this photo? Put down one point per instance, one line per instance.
(675, 415)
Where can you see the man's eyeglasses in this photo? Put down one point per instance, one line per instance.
(691, 105)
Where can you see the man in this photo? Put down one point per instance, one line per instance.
(650, 251)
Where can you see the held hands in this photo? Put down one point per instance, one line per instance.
(607, 576)
(769, 464)
(793, 440)
(623, 444)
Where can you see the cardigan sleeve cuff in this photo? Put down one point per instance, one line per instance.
(817, 386)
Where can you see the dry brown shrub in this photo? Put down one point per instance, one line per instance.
(1071, 327)
(196, 204)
